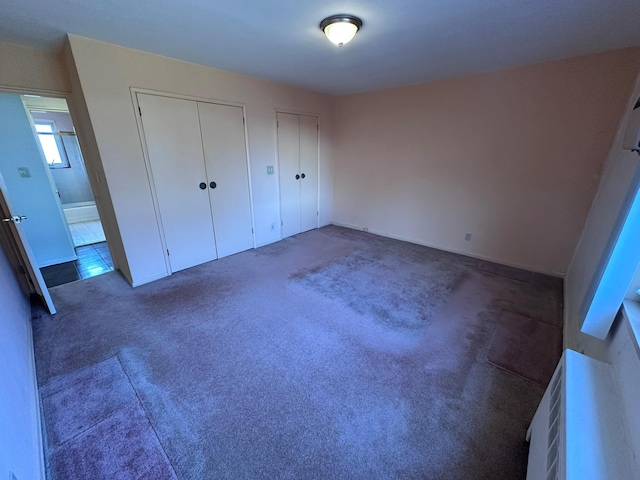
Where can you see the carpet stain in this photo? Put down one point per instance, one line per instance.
(395, 292)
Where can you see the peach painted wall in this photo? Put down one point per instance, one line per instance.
(512, 157)
(28, 69)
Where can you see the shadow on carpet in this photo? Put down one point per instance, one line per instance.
(97, 429)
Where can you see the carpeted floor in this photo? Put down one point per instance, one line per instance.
(332, 354)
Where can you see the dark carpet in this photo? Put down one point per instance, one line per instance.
(526, 346)
(96, 428)
(332, 354)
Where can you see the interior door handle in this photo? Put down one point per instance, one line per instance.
(213, 184)
(303, 175)
(297, 177)
(16, 219)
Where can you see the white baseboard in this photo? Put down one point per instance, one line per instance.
(269, 242)
(41, 460)
(144, 281)
(450, 250)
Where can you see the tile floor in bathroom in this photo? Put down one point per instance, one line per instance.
(92, 260)
(87, 233)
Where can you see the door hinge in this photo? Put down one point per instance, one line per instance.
(282, 224)
(252, 230)
(318, 128)
(277, 124)
(139, 110)
(167, 252)
(243, 120)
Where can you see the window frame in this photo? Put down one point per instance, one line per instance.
(62, 151)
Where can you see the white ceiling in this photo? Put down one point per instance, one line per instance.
(402, 41)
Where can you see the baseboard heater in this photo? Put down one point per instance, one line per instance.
(578, 431)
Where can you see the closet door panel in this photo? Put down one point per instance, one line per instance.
(288, 167)
(225, 154)
(308, 168)
(172, 135)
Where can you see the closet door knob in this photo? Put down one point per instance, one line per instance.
(203, 185)
(303, 175)
(297, 177)
(213, 184)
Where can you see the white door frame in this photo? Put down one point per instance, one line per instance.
(54, 187)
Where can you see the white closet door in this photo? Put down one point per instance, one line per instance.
(225, 154)
(172, 135)
(308, 172)
(289, 168)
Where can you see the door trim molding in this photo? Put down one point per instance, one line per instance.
(193, 98)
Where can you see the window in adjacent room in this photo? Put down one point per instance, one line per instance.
(52, 146)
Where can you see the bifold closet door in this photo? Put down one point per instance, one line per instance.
(174, 146)
(298, 168)
(225, 153)
(308, 172)
(288, 167)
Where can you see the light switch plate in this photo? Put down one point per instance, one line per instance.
(269, 169)
(24, 172)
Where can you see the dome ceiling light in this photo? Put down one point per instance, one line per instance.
(340, 29)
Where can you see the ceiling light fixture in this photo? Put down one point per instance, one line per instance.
(340, 29)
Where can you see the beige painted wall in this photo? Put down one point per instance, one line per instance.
(28, 69)
(511, 157)
(105, 74)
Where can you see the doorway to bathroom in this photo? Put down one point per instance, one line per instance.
(57, 136)
(42, 164)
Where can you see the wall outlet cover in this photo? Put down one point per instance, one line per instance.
(467, 237)
(269, 169)
(24, 172)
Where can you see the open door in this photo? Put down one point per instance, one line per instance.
(19, 252)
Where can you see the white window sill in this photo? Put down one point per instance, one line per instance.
(631, 311)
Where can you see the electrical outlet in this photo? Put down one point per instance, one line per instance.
(273, 226)
(24, 172)
(467, 237)
(269, 169)
(365, 229)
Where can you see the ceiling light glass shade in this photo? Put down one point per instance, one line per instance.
(340, 29)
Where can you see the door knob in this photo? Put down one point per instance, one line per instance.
(213, 184)
(303, 175)
(203, 185)
(16, 219)
(297, 177)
